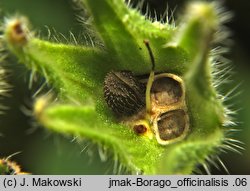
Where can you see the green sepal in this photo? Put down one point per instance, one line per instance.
(137, 154)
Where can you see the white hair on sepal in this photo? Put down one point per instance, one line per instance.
(5, 87)
(207, 167)
(14, 154)
(88, 36)
(223, 72)
(215, 161)
(211, 162)
(230, 143)
(168, 16)
(222, 68)
(139, 6)
(85, 37)
(43, 95)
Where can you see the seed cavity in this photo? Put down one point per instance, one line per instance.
(171, 125)
(166, 91)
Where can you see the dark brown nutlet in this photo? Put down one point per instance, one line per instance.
(124, 94)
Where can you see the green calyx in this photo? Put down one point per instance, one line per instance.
(77, 73)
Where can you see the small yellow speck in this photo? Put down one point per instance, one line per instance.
(40, 104)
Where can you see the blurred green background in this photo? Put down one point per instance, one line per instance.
(45, 153)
